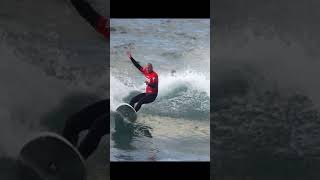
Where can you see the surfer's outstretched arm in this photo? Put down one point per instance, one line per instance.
(135, 63)
(97, 21)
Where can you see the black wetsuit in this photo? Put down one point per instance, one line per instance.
(97, 21)
(142, 98)
(151, 90)
(94, 118)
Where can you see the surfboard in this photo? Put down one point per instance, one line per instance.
(127, 112)
(53, 157)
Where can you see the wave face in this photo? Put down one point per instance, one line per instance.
(183, 95)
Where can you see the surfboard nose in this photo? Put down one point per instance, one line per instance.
(127, 112)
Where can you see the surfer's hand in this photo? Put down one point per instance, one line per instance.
(129, 55)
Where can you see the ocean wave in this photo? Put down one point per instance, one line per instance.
(185, 94)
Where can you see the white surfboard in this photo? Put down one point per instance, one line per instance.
(127, 112)
(52, 157)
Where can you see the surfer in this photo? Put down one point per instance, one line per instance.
(95, 117)
(151, 82)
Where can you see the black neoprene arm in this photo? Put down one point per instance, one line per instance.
(86, 11)
(136, 64)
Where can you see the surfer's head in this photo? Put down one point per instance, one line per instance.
(149, 67)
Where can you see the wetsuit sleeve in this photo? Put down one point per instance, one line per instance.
(86, 11)
(93, 17)
(136, 64)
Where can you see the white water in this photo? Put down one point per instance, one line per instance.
(168, 84)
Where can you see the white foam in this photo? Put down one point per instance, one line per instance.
(167, 84)
(191, 78)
